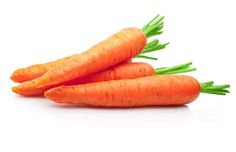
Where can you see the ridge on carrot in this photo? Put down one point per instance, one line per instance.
(161, 90)
(121, 71)
(125, 44)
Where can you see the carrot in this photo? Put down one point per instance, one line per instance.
(121, 71)
(162, 90)
(130, 70)
(118, 48)
(37, 70)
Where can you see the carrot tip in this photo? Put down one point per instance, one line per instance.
(48, 94)
(16, 76)
(13, 77)
(53, 93)
(14, 89)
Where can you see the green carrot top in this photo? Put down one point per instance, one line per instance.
(210, 88)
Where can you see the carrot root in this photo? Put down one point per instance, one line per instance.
(153, 28)
(116, 49)
(162, 90)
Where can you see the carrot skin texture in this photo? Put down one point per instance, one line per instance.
(162, 90)
(28, 88)
(35, 71)
(121, 71)
(29, 73)
(118, 48)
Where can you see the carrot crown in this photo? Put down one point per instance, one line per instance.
(153, 28)
(210, 88)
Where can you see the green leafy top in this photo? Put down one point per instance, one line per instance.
(154, 26)
(210, 88)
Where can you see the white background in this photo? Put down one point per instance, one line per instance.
(38, 31)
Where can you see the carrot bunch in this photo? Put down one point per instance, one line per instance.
(105, 75)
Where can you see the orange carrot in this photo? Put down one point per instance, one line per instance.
(35, 71)
(162, 90)
(153, 28)
(121, 71)
(118, 48)
(146, 91)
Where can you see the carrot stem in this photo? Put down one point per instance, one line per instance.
(181, 68)
(152, 20)
(181, 71)
(154, 26)
(210, 88)
(151, 47)
(152, 43)
(154, 48)
(146, 57)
